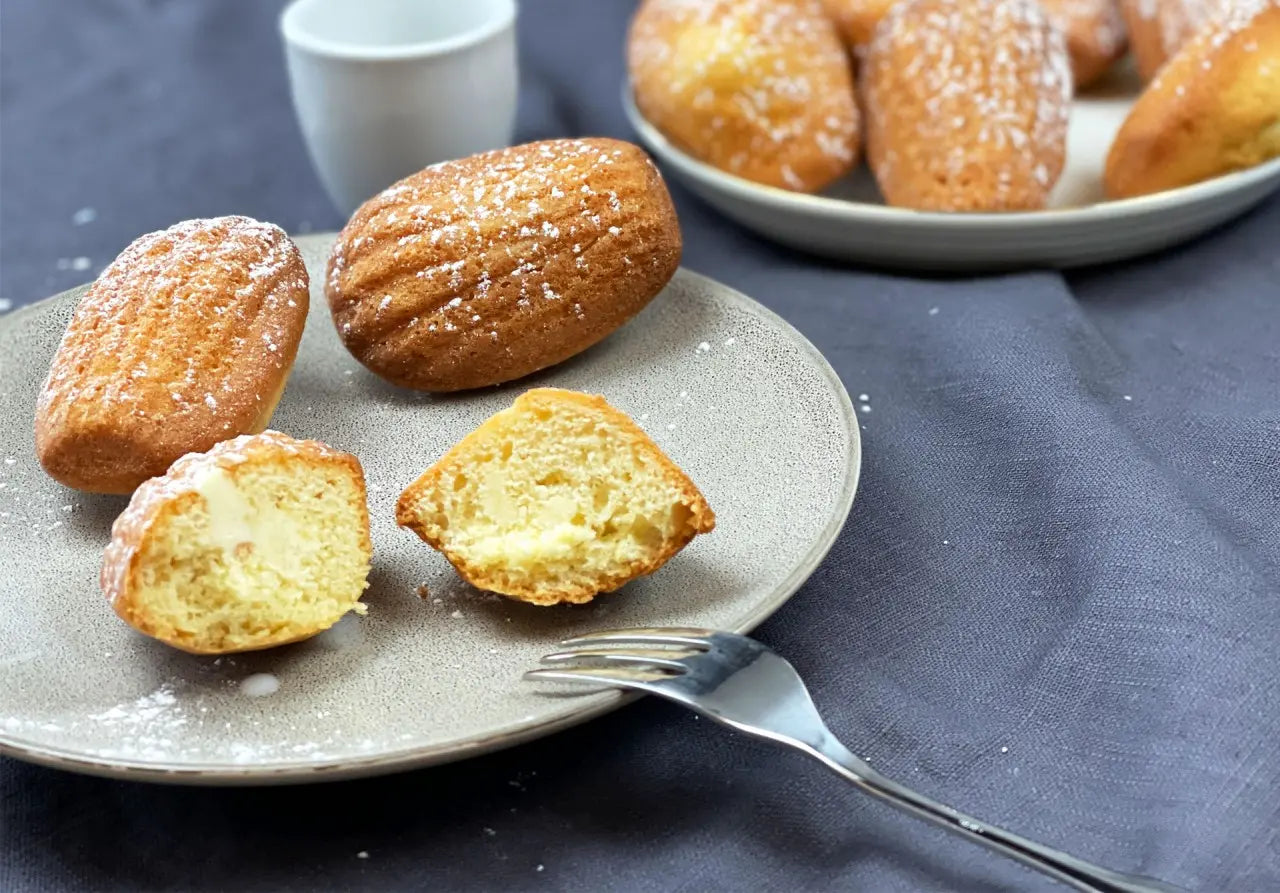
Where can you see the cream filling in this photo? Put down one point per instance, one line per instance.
(237, 527)
(541, 530)
(551, 544)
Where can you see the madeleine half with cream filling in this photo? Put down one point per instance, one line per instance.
(260, 541)
(556, 499)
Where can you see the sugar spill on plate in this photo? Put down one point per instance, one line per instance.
(736, 396)
(850, 221)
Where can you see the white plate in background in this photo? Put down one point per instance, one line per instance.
(850, 222)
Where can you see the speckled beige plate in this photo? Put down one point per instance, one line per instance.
(735, 395)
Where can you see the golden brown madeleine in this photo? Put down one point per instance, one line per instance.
(260, 541)
(1159, 28)
(1095, 35)
(760, 88)
(967, 104)
(186, 339)
(1213, 108)
(483, 270)
(857, 19)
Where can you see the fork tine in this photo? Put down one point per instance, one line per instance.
(675, 635)
(607, 676)
(634, 657)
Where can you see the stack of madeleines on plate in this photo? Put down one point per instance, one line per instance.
(958, 105)
(468, 274)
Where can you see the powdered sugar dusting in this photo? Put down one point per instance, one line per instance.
(761, 88)
(1178, 20)
(172, 724)
(1175, 22)
(239, 282)
(148, 723)
(967, 104)
(466, 251)
(1209, 24)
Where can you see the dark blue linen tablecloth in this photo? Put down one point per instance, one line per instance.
(1055, 604)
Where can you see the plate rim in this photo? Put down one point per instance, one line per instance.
(844, 210)
(518, 732)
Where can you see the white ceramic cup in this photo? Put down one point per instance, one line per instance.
(383, 88)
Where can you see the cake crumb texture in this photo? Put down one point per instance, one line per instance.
(556, 499)
(260, 541)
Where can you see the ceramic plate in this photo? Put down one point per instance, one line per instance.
(850, 221)
(735, 395)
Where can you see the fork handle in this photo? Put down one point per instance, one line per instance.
(1069, 870)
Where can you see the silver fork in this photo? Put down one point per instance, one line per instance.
(740, 683)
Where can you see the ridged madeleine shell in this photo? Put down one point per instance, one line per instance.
(185, 340)
(483, 270)
(967, 105)
(762, 89)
